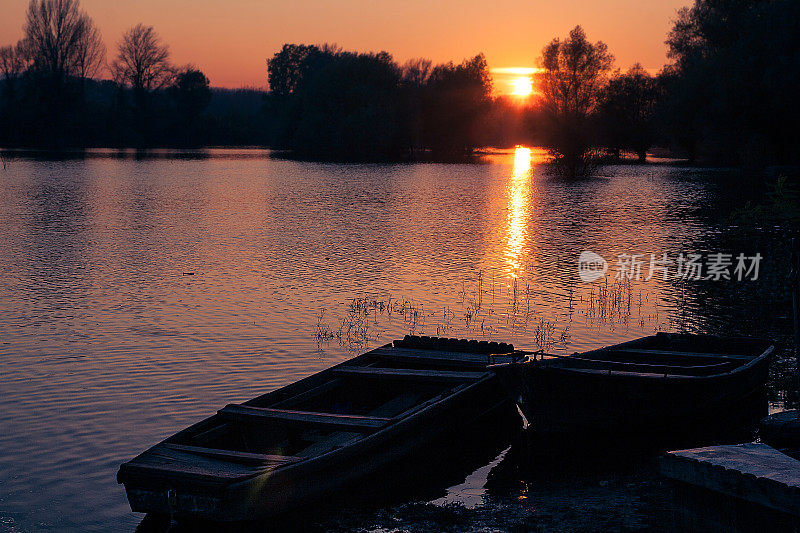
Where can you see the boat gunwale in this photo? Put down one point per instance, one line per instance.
(576, 357)
(756, 359)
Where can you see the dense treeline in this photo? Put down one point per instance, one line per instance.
(49, 96)
(727, 95)
(325, 102)
(730, 92)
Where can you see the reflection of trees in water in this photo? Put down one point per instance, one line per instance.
(57, 220)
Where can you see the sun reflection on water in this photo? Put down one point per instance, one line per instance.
(519, 192)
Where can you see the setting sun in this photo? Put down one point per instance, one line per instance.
(522, 86)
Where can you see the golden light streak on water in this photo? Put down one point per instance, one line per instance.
(519, 192)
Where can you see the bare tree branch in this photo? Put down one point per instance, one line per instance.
(142, 60)
(61, 40)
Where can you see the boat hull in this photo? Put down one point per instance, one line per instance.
(564, 401)
(279, 491)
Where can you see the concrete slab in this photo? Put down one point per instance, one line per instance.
(755, 473)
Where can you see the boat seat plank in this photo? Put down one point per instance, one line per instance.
(250, 414)
(445, 363)
(409, 374)
(162, 462)
(684, 354)
(233, 455)
(456, 358)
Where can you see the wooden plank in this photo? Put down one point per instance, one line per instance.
(234, 456)
(409, 374)
(311, 393)
(210, 434)
(337, 439)
(684, 354)
(250, 414)
(170, 464)
(396, 407)
(753, 472)
(454, 358)
(187, 473)
(457, 345)
(412, 409)
(442, 363)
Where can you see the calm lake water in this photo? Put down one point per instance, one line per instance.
(138, 296)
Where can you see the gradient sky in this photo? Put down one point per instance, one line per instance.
(230, 40)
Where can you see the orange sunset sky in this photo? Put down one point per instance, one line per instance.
(230, 40)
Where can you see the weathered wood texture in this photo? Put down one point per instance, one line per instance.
(250, 414)
(755, 473)
(409, 374)
(163, 462)
(434, 356)
(234, 456)
(700, 510)
(339, 425)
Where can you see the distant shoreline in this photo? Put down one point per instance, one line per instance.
(256, 151)
(658, 157)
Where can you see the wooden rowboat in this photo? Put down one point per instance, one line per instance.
(666, 384)
(304, 441)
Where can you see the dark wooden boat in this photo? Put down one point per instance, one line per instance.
(666, 384)
(304, 441)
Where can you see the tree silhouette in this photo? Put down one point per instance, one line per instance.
(142, 63)
(414, 77)
(727, 94)
(730, 90)
(416, 72)
(287, 68)
(575, 72)
(191, 92)
(61, 40)
(348, 107)
(61, 44)
(328, 103)
(457, 100)
(627, 109)
(13, 63)
(142, 60)
(90, 53)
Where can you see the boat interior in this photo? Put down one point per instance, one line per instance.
(319, 414)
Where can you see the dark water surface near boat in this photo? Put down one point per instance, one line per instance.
(139, 295)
